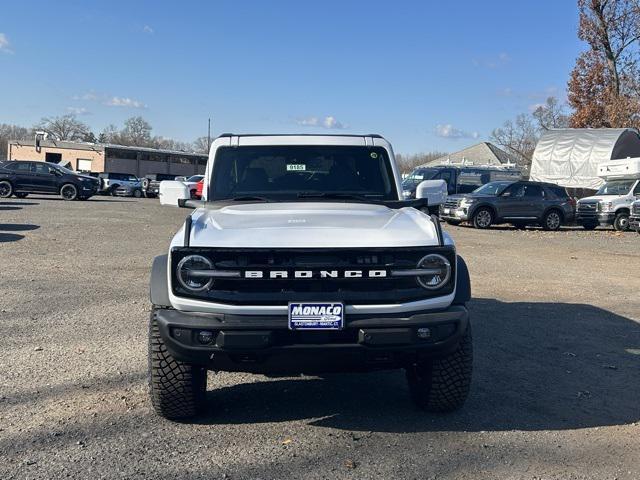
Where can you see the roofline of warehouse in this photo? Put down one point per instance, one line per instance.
(100, 147)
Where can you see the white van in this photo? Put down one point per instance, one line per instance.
(611, 205)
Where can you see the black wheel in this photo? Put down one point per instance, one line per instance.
(177, 389)
(552, 220)
(589, 226)
(621, 222)
(6, 189)
(453, 222)
(145, 184)
(520, 226)
(69, 191)
(137, 193)
(483, 218)
(112, 190)
(21, 195)
(442, 385)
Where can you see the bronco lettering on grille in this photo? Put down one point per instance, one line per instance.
(279, 274)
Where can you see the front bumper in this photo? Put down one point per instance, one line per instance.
(264, 344)
(603, 219)
(455, 213)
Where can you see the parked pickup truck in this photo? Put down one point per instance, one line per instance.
(611, 205)
(303, 257)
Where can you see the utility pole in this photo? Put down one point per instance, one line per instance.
(209, 136)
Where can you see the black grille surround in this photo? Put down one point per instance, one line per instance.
(280, 291)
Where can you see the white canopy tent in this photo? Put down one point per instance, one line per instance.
(570, 156)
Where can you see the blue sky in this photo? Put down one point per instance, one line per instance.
(428, 75)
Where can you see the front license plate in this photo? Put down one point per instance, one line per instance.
(446, 211)
(316, 316)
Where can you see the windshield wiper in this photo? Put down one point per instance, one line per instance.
(336, 195)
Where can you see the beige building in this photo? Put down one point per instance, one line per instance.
(94, 157)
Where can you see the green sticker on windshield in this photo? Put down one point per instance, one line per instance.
(292, 167)
(374, 155)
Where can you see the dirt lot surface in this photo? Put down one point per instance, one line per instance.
(556, 390)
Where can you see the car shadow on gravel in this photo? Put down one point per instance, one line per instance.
(18, 227)
(10, 237)
(537, 366)
(19, 203)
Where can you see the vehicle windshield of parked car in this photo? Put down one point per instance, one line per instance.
(294, 171)
(195, 178)
(492, 188)
(418, 176)
(616, 187)
(62, 169)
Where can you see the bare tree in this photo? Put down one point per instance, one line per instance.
(519, 137)
(137, 132)
(65, 127)
(551, 115)
(201, 145)
(12, 132)
(408, 163)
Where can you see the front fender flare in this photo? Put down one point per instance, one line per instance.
(158, 288)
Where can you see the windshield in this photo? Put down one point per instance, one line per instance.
(492, 188)
(64, 169)
(418, 176)
(618, 187)
(195, 178)
(289, 172)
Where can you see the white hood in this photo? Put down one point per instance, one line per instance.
(309, 225)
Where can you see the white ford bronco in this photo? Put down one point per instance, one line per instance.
(303, 257)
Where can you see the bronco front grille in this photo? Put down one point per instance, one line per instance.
(279, 291)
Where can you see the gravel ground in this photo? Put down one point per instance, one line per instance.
(556, 390)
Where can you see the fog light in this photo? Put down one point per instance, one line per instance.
(205, 337)
(424, 333)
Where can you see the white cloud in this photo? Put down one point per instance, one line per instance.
(449, 131)
(5, 46)
(329, 122)
(124, 102)
(147, 29)
(78, 110)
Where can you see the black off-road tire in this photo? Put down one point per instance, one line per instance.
(137, 193)
(69, 192)
(552, 220)
(621, 222)
(442, 385)
(21, 194)
(6, 189)
(589, 226)
(177, 389)
(519, 225)
(483, 218)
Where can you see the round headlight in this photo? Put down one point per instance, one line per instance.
(438, 271)
(192, 282)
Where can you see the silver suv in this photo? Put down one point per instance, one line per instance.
(112, 181)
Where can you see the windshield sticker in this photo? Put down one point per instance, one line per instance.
(292, 167)
(374, 155)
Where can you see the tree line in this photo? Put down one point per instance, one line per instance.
(136, 132)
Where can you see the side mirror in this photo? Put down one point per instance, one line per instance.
(171, 192)
(435, 191)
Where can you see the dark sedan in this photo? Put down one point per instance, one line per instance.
(22, 178)
(520, 203)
